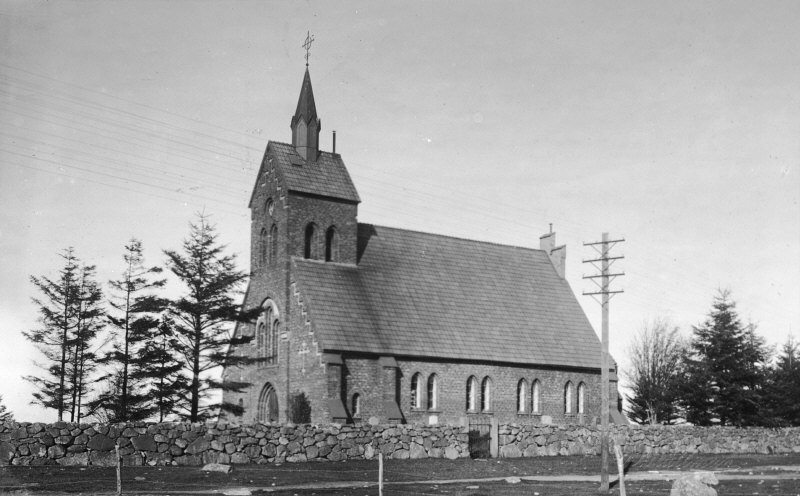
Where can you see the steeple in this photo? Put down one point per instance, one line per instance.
(305, 123)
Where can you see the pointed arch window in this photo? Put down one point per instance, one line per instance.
(569, 392)
(522, 393)
(267, 334)
(311, 244)
(472, 394)
(262, 248)
(581, 399)
(273, 244)
(536, 405)
(433, 392)
(356, 406)
(486, 394)
(331, 245)
(416, 391)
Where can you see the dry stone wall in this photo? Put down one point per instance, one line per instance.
(196, 444)
(536, 440)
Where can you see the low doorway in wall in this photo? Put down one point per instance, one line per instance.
(480, 436)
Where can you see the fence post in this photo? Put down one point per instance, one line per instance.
(494, 441)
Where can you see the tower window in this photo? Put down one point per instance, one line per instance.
(267, 335)
(311, 244)
(262, 248)
(273, 244)
(331, 245)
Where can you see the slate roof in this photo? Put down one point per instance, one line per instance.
(426, 295)
(306, 107)
(327, 176)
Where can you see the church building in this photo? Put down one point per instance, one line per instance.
(369, 321)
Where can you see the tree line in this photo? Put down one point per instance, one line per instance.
(723, 374)
(128, 353)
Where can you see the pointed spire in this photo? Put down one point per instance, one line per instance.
(306, 108)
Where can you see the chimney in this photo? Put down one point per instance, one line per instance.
(556, 254)
(334, 141)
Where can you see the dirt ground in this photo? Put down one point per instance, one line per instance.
(754, 474)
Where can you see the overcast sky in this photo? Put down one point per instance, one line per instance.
(673, 124)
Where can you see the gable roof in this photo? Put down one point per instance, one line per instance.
(327, 176)
(426, 295)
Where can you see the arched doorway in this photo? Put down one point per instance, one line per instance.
(268, 405)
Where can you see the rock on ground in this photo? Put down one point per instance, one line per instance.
(217, 467)
(695, 484)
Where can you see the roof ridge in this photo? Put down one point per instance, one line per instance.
(459, 238)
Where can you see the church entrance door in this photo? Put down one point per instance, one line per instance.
(267, 405)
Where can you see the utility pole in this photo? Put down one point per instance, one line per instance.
(605, 260)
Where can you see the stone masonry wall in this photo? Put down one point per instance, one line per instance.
(535, 440)
(196, 444)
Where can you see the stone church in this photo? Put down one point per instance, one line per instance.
(404, 326)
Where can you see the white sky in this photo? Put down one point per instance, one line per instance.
(673, 124)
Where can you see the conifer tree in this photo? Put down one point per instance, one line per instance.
(53, 337)
(204, 314)
(782, 398)
(5, 415)
(162, 368)
(133, 323)
(88, 316)
(724, 369)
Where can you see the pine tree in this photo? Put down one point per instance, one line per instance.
(5, 415)
(53, 337)
(133, 323)
(655, 355)
(204, 314)
(724, 369)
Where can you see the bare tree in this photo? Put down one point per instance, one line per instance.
(655, 354)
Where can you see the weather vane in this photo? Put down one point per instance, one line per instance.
(307, 45)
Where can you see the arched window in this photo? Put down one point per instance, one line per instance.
(267, 334)
(472, 394)
(267, 405)
(433, 392)
(311, 244)
(581, 394)
(568, 393)
(356, 406)
(331, 245)
(273, 244)
(536, 406)
(262, 248)
(241, 408)
(486, 394)
(522, 390)
(269, 207)
(416, 391)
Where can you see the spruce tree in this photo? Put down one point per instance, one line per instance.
(53, 337)
(724, 369)
(782, 397)
(88, 316)
(5, 415)
(204, 314)
(163, 370)
(133, 322)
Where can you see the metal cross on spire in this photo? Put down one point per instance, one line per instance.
(307, 45)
